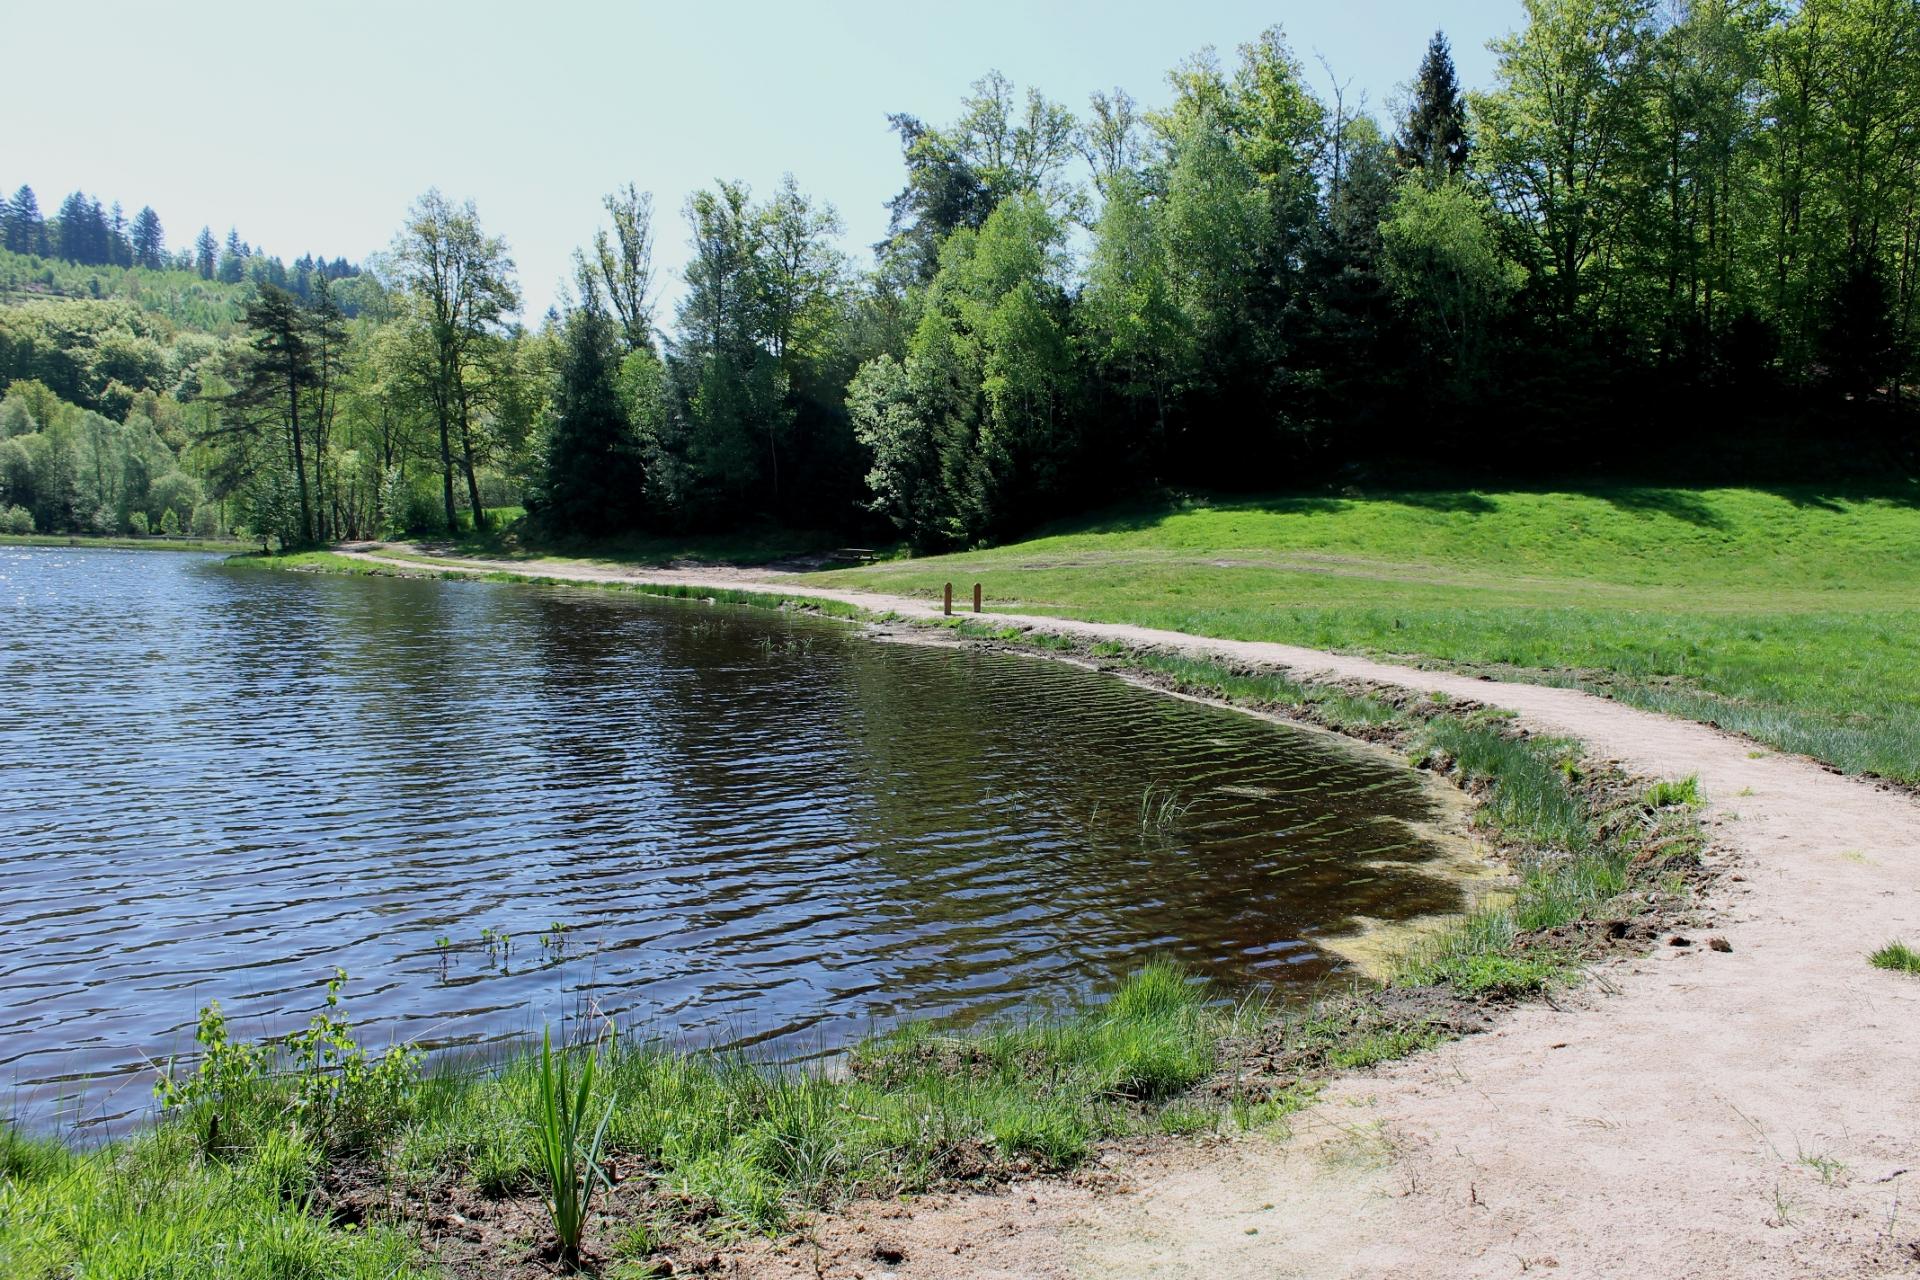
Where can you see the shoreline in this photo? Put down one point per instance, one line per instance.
(1752, 1113)
(117, 542)
(1165, 1205)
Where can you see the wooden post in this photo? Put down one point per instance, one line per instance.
(976, 597)
(947, 605)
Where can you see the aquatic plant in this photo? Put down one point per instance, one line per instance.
(1161, 808)
(569, 1155)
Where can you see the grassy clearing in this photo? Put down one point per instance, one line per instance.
(1897, 956)
(1789, 615)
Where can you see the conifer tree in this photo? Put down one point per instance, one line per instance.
(149, 241)
(592, 475)
(1434, 137)
(25, 228)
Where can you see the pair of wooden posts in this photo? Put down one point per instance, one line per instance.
(946, 606)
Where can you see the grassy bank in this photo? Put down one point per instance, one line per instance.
(316, 1157)
(1789, 615)
(224, 545)
(356, 566)
(511, 536)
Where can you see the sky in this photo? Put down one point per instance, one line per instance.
(311, 127)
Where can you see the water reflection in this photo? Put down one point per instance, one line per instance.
(756, 829)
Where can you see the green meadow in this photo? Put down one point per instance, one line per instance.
(1790, 615)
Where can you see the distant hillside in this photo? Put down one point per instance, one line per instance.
(182, 297)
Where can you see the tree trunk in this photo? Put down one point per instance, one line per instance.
(466, 454)
(446, 472)
(299, 457)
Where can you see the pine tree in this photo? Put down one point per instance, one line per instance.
(1434, 137)
(25, 228)
(206, 251)
(118, 246)
(149, 241)
(71, 238)
(233, 259)
(593, 473)
(279, 368)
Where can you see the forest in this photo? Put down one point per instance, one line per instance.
(1675, 239)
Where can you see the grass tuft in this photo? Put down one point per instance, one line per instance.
(1897, 956)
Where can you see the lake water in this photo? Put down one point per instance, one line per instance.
(759, 830)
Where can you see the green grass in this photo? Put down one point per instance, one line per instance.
(512, 537)
(1897, 956)
(316, 562)
(223, 1186)
(126, 544)
(1790, 615)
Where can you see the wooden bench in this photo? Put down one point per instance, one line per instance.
(856, 555)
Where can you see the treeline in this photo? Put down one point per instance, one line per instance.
(1669, 235)
(88, 234)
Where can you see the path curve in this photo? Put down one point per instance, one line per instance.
(1752, 1113)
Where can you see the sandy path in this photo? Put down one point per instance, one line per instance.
(1694, 1114)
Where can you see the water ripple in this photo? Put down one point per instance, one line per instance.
(758, 830)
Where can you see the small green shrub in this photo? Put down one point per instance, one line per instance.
(1668, 793)
(319, 1078)
(1897, 956)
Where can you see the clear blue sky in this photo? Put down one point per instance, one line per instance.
(311, 127)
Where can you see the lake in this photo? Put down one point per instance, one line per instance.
(752, 829)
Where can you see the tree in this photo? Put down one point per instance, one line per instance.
(1110, 139)
(25, 230)
(731, 391)
(1433, 138)
(233, 259)
(624, 260)
(119, 246)
(271, 381)
(149, 241)
(1139, 337)
(592, 477)
(1563, 141)
(327, 339)
(1002, 145)
(81, 231)
(461, 281)
(972, 436)
(206, 252)
(1442, 260)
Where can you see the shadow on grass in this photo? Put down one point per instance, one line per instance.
(1678, 504)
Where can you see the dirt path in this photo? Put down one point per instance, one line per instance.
(1753, 1113)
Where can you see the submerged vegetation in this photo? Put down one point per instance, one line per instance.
(317, 1155)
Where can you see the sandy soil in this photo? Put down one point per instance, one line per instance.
(1695, 1113)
